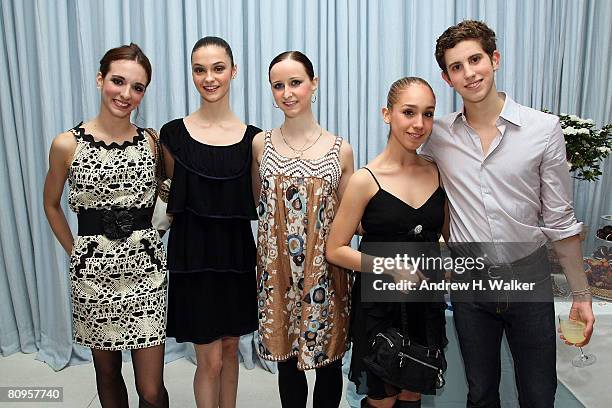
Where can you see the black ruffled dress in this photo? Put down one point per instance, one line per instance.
(211, 251)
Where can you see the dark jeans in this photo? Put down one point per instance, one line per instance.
(530, 330)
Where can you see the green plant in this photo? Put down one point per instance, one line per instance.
(586, 146)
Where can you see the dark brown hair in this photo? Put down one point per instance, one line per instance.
(402, 84)
(296, 56)
(216, 41)
(130, 52)
(465, 30)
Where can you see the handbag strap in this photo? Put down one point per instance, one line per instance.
(404, 320)
(160, 168)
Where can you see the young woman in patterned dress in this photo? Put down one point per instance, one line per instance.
(117, 262)
(299, 173)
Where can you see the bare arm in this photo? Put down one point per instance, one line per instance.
(570, 257)
(360, 188)
(348, 167)
(257, 148)
(561, 226)
(60, 155)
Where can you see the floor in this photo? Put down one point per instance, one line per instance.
(256, 388)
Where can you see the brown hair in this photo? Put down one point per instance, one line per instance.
(216, 41)
(402, 84)
(465, 30)
(296, 56)
(130, 52)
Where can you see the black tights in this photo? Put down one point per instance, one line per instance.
(148, 371)
(293, 387)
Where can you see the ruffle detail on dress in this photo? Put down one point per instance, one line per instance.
(211, 198)
(79, 132)
(210, 244)
(208, 161)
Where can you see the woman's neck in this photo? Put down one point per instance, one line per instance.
(396, 155)
(217, 113)
(108, 125)
(300, 127)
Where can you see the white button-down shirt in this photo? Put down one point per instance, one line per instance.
(501, 196)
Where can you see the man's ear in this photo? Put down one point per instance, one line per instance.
(496, 59)
(446, 79)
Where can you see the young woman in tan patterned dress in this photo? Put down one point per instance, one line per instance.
(299, 174)
(117, 262)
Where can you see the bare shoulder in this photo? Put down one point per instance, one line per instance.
(345, 148)
(362, 180)
(258, 141)
(65, 142)
(62, 148)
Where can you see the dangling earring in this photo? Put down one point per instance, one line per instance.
(273, 104)
(314, 98)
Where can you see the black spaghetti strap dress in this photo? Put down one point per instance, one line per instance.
(388, 219)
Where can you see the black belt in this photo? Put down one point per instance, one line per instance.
(114, 224)
(529, 263)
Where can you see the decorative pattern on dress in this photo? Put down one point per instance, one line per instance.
(304, 302)
(118, 286)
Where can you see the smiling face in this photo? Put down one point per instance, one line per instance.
(292, 88)
(470, 71)
(411, 117)
(123, 87)
(212, 72)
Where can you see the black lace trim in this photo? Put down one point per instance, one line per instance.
(79, 132)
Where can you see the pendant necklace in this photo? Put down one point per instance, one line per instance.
(300, 151)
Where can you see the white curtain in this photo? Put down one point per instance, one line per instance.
(555, 55)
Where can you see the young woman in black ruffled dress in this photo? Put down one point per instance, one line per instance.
(211, 250)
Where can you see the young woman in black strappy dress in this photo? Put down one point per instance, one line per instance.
(397, 197)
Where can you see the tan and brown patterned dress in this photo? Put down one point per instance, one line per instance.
(303, 301)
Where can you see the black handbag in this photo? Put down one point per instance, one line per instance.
(398, 361)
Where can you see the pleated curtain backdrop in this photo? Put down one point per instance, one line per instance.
(555, 55)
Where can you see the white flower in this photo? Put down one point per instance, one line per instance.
(604, 149)
(583, 131)
(569, 131)
(574, 118)
(586, 122)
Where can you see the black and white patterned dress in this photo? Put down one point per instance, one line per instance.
(118, 285)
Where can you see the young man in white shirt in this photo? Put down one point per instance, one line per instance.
(503, 166)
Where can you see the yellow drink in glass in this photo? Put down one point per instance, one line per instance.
(573, 330)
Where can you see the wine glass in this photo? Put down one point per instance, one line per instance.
(573, 331)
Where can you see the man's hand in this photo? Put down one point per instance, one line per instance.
(582, 310)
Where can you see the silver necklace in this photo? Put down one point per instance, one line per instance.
(300, 151)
